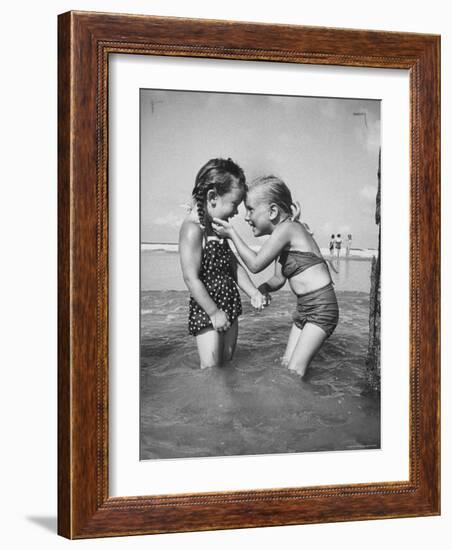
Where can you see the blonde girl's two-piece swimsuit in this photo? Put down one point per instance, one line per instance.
(318, 306)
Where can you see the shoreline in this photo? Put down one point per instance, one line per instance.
(356, 253)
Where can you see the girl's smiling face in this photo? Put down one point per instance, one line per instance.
(225, 206)
(258, 214)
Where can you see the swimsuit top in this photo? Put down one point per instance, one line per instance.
(216, 262)
(295, 261)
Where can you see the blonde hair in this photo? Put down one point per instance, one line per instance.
(275, 191)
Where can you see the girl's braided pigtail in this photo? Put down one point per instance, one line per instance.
(200, 199)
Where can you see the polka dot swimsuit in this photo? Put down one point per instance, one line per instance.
(218, 277)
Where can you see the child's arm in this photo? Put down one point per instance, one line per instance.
(190, 248)
(242, 277)
(275, 282)
(255, 261)
(330, 266)
(246, 284)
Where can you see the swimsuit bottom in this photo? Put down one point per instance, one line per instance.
(217, 275)
(225, 294)
(318, 307)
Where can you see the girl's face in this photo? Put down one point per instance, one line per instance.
(226, 206)
(258, 214)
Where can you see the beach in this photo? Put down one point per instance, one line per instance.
(253, 405)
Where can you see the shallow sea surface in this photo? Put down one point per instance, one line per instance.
(253, 405)
(161, 270)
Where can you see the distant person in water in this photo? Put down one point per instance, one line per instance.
(331, 245)
(338, 244)
(348, 244)
(210, 269)
(271, 211)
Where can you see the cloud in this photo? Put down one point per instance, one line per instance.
(171, 220)
(368, 193)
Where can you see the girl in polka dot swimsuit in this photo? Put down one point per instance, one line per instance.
(210, 269)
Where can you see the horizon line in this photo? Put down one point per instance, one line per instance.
(352, 248)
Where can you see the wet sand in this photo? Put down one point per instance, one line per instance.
(253, 405)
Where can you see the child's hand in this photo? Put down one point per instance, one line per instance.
(263, 289)
(222, 228)
(259, 301)
(220, 321)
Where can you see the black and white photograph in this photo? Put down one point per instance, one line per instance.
(178, 179)
(260, 274)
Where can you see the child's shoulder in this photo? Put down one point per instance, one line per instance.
(291, 229)
(190, 230)
(300, 237)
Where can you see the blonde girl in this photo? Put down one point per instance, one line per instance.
(270, 211)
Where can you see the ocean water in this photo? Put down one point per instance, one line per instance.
(160, 270)
(252, 405)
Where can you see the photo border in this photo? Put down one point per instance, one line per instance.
(127, 476)
(85, 41)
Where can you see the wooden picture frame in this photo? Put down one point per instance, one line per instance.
(85, 42)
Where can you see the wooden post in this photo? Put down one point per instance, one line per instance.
(374, 347)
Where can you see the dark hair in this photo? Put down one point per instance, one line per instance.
(332, 236)
(338, 234)
(217, 174)
(276, 191)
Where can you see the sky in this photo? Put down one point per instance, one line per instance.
(325, 149)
